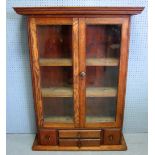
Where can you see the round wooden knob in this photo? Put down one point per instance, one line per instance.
(82, 74)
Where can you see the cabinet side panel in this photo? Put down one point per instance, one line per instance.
(122, 72)
(35, 71)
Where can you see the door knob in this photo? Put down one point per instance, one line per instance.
(111, 138)
(82, 74)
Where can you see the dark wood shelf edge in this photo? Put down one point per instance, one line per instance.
(78, 10)
(121, 147)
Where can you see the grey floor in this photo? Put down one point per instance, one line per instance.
(20, 144)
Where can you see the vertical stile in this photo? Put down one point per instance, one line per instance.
(75, 72)
(122, 72)
(35, 71)
(82, 68)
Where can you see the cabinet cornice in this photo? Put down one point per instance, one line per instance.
(78, 10)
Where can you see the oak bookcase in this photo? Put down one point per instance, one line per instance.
(78, 59)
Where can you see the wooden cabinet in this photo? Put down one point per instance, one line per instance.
(79, 64)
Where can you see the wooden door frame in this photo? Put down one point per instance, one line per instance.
(82, 68)
(124, 21)
(35, 69)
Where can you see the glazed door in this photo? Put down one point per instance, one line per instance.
(54, 50)
(79, 70)
(103, 61)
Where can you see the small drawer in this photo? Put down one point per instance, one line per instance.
(111, 136)
(79, 133)
(68, 142)
(90, 142)
(47, 137)
(79, 142)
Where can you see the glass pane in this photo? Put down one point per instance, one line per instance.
(102, 68)
(56, 76)
(103, 41)
(55, 41)
(55, 58)
(58, 109)
(101, 76)
(101, 109)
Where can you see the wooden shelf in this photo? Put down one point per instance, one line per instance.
(101, 92)
(55, 62)
(57, 92)
(89, 119)
(93, 119)
(89, 62)
(90, 92)
(115, 46)
(102, 62)
(58, 119)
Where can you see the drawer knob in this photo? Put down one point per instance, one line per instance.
(82, 74)
(111, 137)
(79, 143)
(48, 138)
(78, 135)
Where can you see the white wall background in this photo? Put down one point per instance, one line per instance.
(20, 111)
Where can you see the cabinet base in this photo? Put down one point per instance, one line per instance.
(121, 147)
